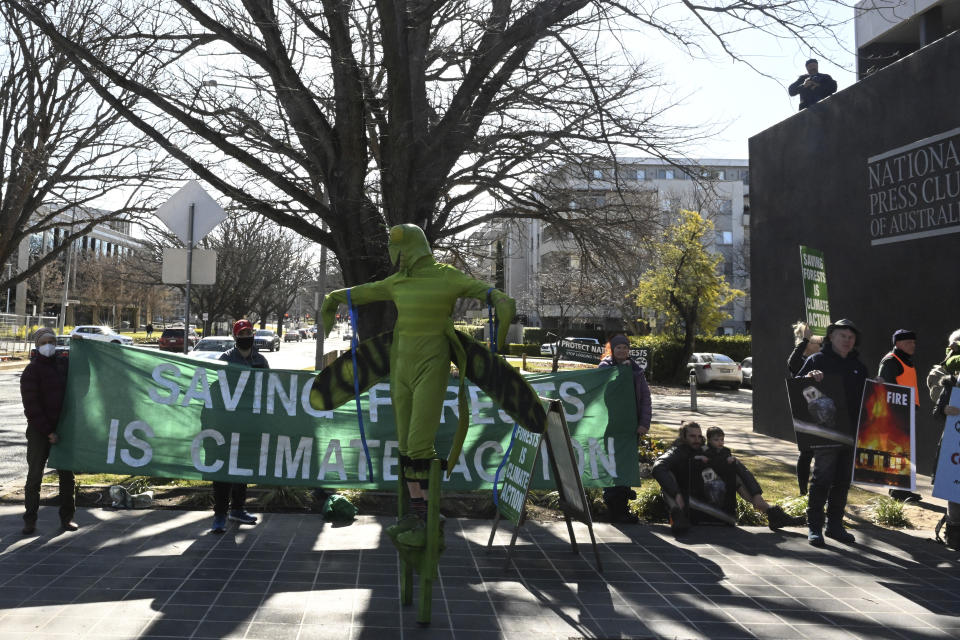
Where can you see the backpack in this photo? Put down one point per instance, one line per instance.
(936, 380)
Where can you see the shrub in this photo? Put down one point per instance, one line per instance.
(534, 335)
(514, 349)
(649, 504)
(667, 352)
(472, 330)
(889, 512)
(794, 506)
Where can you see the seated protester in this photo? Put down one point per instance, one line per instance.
(673, 470)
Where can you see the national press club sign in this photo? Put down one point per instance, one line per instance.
(914, 190)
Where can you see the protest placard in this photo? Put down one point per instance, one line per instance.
(886, 442)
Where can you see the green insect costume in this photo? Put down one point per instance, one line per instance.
(424, 292)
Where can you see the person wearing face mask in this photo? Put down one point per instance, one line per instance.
(43, 386)
(234, 494)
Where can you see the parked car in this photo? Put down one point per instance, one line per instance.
(62, 350)
(292, 335)
(746, 367)
(266, 339)
(211, 348)
(172, 340)
(715, 368)
(550, 348)
(102, 333)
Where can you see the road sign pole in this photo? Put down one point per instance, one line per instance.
(186, 320)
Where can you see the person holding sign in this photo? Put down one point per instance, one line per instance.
(833, 463)
(43, 386)
(897, 368)
(618, 353)
(941, 386)
(805, 345)
(234, 494)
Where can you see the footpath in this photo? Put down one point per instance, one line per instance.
(161, 574)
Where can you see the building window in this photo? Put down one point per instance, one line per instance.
(725, 237)
(726, 206)
(668, 174)
(597, 174)
(641, 175)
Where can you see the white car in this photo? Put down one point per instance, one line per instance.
(98, 332)
(715, 368)
(211, 348)
(550, 348)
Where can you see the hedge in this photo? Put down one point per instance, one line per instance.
(667, 351)
(514, 349)
(472, 330)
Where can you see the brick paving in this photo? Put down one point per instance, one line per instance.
(159, 574)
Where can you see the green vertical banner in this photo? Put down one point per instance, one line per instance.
(518, 473)
(815, 290)
(136, 411)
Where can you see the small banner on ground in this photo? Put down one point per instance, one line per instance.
(815, 290)
(593, 353)
(885, 437)
(947, 483)
(518, 473)
(133, 411)
(819, 409)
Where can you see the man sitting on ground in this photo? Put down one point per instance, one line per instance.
(672, 470)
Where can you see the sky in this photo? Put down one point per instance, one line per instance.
(741, 100)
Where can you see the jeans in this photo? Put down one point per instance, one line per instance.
(228, 493)
(829, 485)
(38, 450)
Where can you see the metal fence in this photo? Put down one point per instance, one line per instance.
(16, 332)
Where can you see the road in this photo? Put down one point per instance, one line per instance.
(13, 446)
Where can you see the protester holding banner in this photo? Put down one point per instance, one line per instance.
(43, 385)
(616, 354)
(833, 463)
(673, 470)
(805, 345)
(234, 494)
(941, 387)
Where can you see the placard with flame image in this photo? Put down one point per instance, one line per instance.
(885, 454)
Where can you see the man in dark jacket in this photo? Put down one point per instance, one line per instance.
(672, 470)
(616, 498)
(833, 463)
(234, 494)
(813, 86)
(43, 386)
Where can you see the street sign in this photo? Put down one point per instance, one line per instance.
(174, 271)
(207, 214)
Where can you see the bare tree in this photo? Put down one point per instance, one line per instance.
(338, 118)
(61, 145)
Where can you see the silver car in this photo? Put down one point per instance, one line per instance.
(715, 368)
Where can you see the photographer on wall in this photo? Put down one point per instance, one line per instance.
(813, 86)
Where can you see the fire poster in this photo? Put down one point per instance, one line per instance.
(819, 410)
(946, 485)
(886, 440)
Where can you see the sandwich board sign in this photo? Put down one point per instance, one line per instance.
(511, 503)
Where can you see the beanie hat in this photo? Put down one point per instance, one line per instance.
(619, 339)
(43, 331)
(903, 334)
(240, 325)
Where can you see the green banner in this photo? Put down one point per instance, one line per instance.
(134, 411)
(815, 290)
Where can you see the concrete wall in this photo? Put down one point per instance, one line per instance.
(887, 268)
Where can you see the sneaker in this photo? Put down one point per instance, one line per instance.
(679, 522)
(840, 534)
(69, 525)
(778, 518)
(815, 538)
(242, 517)
(219, 524)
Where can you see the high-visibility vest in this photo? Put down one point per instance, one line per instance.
(908, 378)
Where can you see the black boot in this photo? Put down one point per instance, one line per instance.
(952, 536)
(777, 518)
